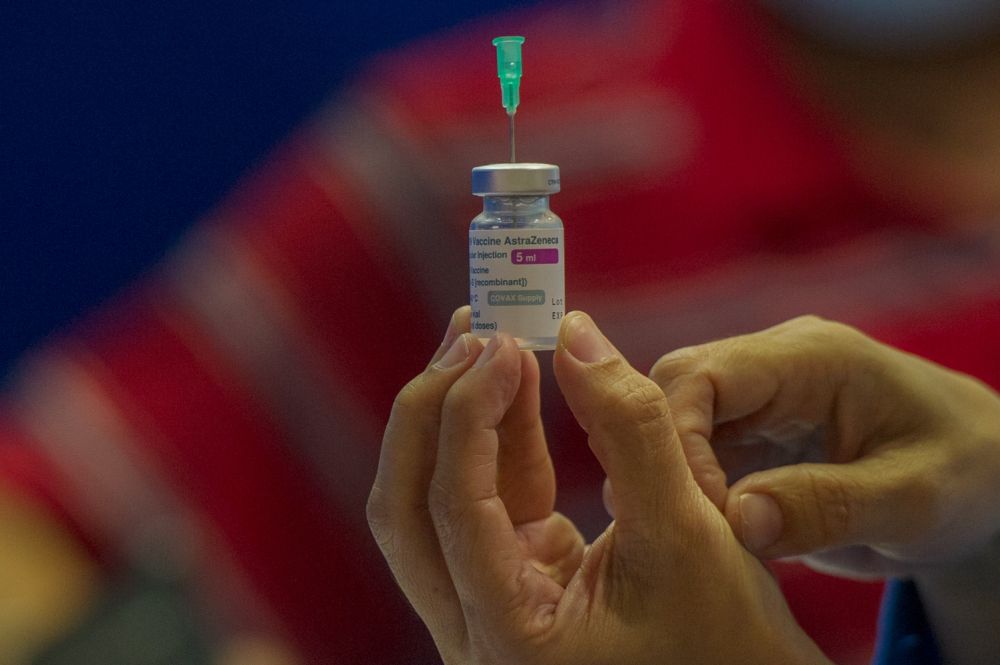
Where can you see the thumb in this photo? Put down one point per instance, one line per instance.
(804, 508)
(629, 430)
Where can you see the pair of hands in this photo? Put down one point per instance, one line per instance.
(805, 438)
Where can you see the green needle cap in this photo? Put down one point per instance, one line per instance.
(509, 70)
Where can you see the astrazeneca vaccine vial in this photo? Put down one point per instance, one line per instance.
(516, 255)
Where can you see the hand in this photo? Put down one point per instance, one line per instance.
(462, 508)
(870, 461)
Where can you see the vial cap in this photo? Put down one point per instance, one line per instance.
(515, 178)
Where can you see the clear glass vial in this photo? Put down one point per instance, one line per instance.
(516, 255)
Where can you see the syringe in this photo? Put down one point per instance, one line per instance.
(509, 71)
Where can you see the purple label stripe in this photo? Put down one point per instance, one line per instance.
(527, 257)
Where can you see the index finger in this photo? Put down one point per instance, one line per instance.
(785, 383)
(397, 506)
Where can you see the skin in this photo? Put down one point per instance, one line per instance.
(867, 461)
(462, 509)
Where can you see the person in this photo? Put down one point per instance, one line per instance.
(201, 448)
(806, 439)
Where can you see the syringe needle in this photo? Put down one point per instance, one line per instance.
(513, 156)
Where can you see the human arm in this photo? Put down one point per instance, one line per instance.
(818, 441)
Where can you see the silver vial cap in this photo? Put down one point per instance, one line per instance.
(515, 178)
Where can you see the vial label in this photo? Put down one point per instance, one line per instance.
(516, 282)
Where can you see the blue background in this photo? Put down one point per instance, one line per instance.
(121, 123)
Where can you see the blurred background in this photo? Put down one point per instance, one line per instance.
(121, 124)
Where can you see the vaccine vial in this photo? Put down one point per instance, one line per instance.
(516, 255)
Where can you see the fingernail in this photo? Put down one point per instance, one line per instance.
(761, 519)
(585, 342)
(456, 353)
(490, 351)
(609, 499)
(450, 334)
